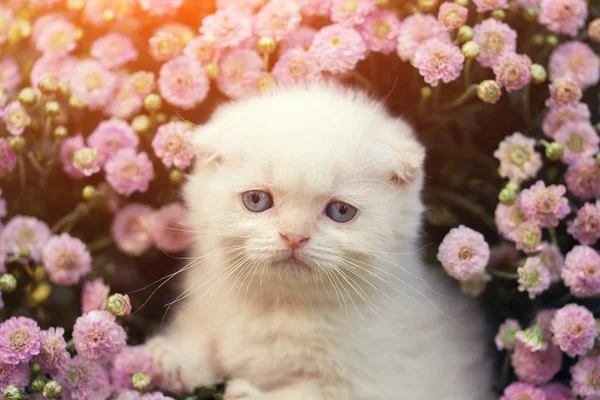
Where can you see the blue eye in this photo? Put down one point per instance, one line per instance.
(340, 212)
(257, 201)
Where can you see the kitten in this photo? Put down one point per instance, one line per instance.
(308, 283)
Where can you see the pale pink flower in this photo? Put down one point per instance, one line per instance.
(15, 118)
(505, 338)
(577, 61)
(490, 5)
(564, 91)
(556, 391)
(43, 21)
(82, 379)
(67, 150)
(300, 38)
(579, 139)
(59, 66)
(508, 219)
(544, 205)
(95, 10)
(583, 178)
(8, 159)
(528, 237)
(57, 38)
(534, 277)
(97, 336)
(277, 19)
(129, 361)
(160, 7)
(226, 28)
(66, 259)
(53, 353)
(574, 330)
(594, 30)
(23, 232)
(7, 18)
(464, 253)
(129, 98)
(296, 66)
(380, 31)
(183, 82)
(92, 83)
(552, 259)
(351, 12)
(14, 374)
(512, 71)
(563, 16)
(585, 377)
(518, 159)
(10, 74)
(452, 15)
(172, 145)
(110, 136)
(522, 391)
(128, 172)
(586, 226)
(164, 46)
(415, 30)
(85, 160)
(170, 231)
(203, 50)
(582, 271)
(559, 115)
(437, 59)
(114, 50)
(338, 48)
(536, 367)
(320, 8)
(94, 295)
(242, 6)
(131, 229)
(240, 69)
(495, 39)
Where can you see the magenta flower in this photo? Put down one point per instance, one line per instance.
(574, 330)
(560, 115)
(127, 362)
(563, 16)
(586, 226)
(10, 74)
(172, 145)
(552, 259)
(518, 159)
(495, 40)
(170, 231)
(505, 338)
(59, 66)
(512, 71)
(277, 19)
(67, 152)
(437, 59)
(226, 28)
(53, 350)
(564, 91)
(202, 50)
(296, 66)
(415, 30)
(110, 137)
(19, 340)
(240, 69)
(128, 172)
(536, 367)
(83, 379)
(583, 178)
(66, 259)
(544, 317)
(300, 38)
(380, 31)
(545, 205)
(131, 229)
(579, 139)
(576, 60)
(92, 83)
(8, 159)
(528, 237)
(94, 295)
(534, 277)
(452, 15)
(522, 391)
(351, 12)
(114, 50)
(464, 253)
(97, 336)
(338, 48)
(15, 118)
(585, 377)
(160, 7)
(556, 391)
(582, 271)
(14, 374)
(183, 82)
(29, 233)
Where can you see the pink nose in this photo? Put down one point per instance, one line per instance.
(293, 241)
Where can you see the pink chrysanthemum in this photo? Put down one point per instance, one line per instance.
(380, 31)
(544, 205)
(19, 340)
(594, 30)
(522, 391)
(464, 253)
(576, 60)
(562, 114)
(53, 350)
(97, 336)
(94, 295)
(277, 19)
(490, 5)
(544, 317)
(8, 159)
(156, 396)
(82, 379)
(452, 15)
(10, 74)
(528, 237)
(552, 259)
(183, 82)
(111, 136)
(243, 6)
(583, 178)
(15, 118)
(352, 12)
(296, 66)
(585, 377)
(564, 91)
(66, 259)
(586, 226)
(536, 367)
(300, 38)
(114, 50)
(170, 231)
(43, 21)
(92, 83)
(85, 160)
(320, 8)
(579, 139)
(160, 7)
(127, 362)
(240, 69)
(505, 338)
(495, 40)
(129, 98)
(582, 271)
(338, 48)
(131, 229)
(202, 50)
(57, 38)
(518, 159)
(415, 30)
(563, 16)
(226, 28)
(94, 10)
(534, 277)
(26, 232)
(172, 145)
(17, 375)
(475, 286)
(128, 172)
(59, 66)
(556, 391)
(67, 151)
(7, 18)
(503, 254)
(437, 59)
(574, 330)
(164, 46)
(512, 71)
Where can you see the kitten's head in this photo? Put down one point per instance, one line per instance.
(303, 180)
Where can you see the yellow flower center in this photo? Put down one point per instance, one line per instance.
(349, 6)
(93, 81)
(519, 155)
(576, 143)
(493, 43)
(382, 29)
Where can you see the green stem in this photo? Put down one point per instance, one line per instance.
(464, 203)
(553, 236)
(67, 222)
(466, 95)
(467, 72)
(22, 172)
(100, 243)
(503, 274)
(526, 107)
(436, 96)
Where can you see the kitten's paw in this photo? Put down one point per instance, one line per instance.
(167, 364)
(239, 389)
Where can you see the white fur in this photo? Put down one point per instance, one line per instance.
(367, 320)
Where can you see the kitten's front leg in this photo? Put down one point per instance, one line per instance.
(240, 389)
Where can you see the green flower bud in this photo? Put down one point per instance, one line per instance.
(530, 14)
(470, 49)
(8, 282)
(17, 143)
(507, 196)
(48, 83)
(552, 40)
(141, 123)
(35, 368)
(119, 305)
(52, 390)
(176, 176)
(38, 384)
(465, 33)
(538, 39)
(60, 132)
(489, 91)
(513, 185)
(212, 71)
(598, 160)
(426, 92)
(500, 15)
(24, 252)
(161, 118)
(554, 151)
(140, 381)
(27, 96)
(12, 393)
(538, 73)
(152, 102)
(52, 108)
(88, 192)
(266, 45)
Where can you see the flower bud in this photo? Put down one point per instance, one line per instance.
(176, 176)
(594, 30)
(140, 381)
(507, 196)
(48, 83)
(60, 132)
(119, 305)
(489, 91)
(470, 49)
(35, 368)
(513, 185)
(89, 192)
(533, 337)
(24, 252)
(598, 160)
(152, 102)
(141, 123)
(427, 5)
(500, 15)
(554, 151)
(464, 3)
(538, 39)
(52, 390)
(38, 384)
(52, 108)
(12, 392)
(76, 103)
(426, 92)
(8, 282)
(27, 96)
(266, 45)
(552, 40)
(465, 33)
(530, 14)
(212, 71)
(17, 143)
(538, 73)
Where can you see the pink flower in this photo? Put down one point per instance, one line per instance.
(556, 391)
(111, 136)
(495, 40)
(44, 20)
(300, 38)
(114, 50)
(15, 118)
(8, 159)
(202, 50)
(574, 330)
(92, 83)
(586, 226)
(475, 286)
(338, 48)
(129, 361)
(19, 340)
(576, 60)
(85, 160)
(130, 95)
(296, 66)
(534, 277)
(508, 219)
(131, 229)
(561, 114)
(579, 139)
(2, 209)
(563, 16)
(58, 38)
(94, 295)
(594, 30)
(528, 237)
(564, 91)
(536, 367)
(10, 74)
(552, 259)
(585, 377)
(243, 6)
(66, 259)
(7, 18)
(160, 7)
(544, 205)
(544, 317)
(464, 253)
(164, 46)
(53, 350)
(522, 391)
(59, 66)
(97, 336)
(380, 31)
(415, 30)
(437, 59)
(226, 28)
(583, 178)
(512, 71)
(490, 5)
(518, 159)
(67, 151)
(239, 71)
(183, 82)
(172, 145)
(84, 379)
(277, 19)
(128, 172)
(320, 8)
(582, 271)
(351, 12)
(17, 375)
(26, 233)
(505, 338)
(170, 231)
(452, 15)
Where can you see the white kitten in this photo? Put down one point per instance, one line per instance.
(308, 283)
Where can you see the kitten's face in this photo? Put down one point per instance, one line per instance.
(305, 181)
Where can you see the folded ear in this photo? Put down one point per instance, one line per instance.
(204, 142)
(408, 154)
